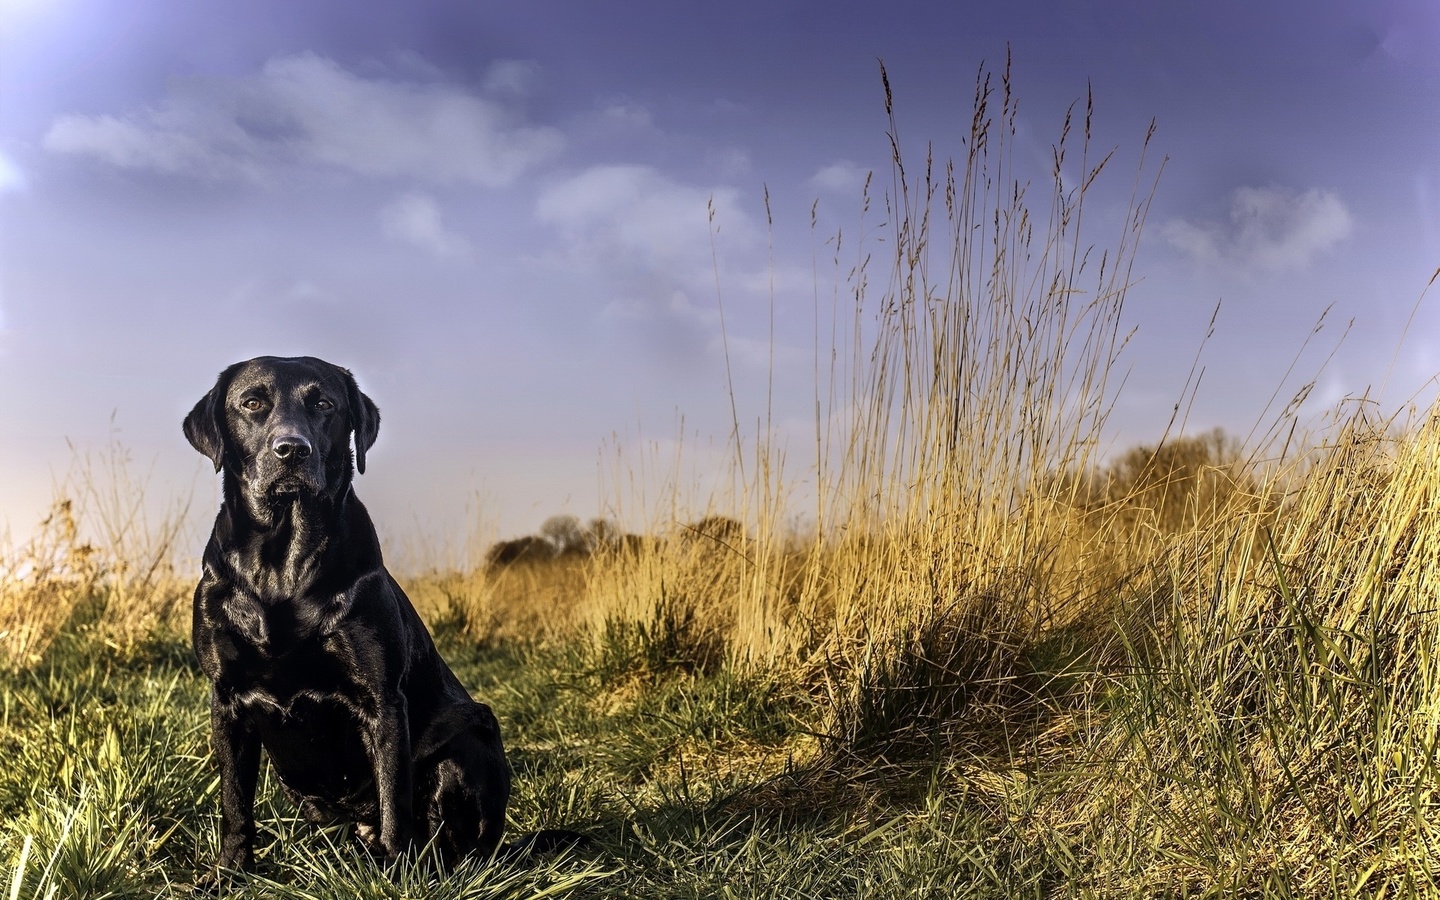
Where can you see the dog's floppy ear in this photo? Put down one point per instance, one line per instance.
(205, 426)
(364, 421)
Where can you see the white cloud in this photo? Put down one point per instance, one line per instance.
(513, 77)
(730, 162)
(627, 115)
(637, 218)
(761, 354)
(11, 178)
(781, 279)
(305, 109)
(646, 238)
(1270, 229)
(1328, 394)
(678, 307)
(414, 218)
(843, 177)
(305, 289)
(180, 138)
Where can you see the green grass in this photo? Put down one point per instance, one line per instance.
(682, 780)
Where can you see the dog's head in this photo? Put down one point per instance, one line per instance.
(281, 426)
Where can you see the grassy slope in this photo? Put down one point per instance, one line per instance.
(1270, 748)
(681, 778)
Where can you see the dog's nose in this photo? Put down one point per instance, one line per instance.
(291, 446)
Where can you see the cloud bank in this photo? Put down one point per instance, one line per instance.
(12, 180)
(308, 110)
(637, 216)
(1270, 230)
(646, 238)
(843, 177)
(414, 218)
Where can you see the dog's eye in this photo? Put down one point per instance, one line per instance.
(322, 403)
(253, 404)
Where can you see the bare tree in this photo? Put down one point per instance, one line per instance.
(566, 534)
(604, 534)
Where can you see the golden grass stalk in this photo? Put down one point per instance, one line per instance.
(95, 562)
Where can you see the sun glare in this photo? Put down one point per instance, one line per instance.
(16, 13)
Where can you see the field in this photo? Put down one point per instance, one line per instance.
(991, 663)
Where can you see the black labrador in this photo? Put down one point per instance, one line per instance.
(313, 651)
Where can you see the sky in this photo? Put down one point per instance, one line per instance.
(535, 230)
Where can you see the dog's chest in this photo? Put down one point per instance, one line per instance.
(315, 740)
(278, 651)
(277, 627)
(304, 690)
(307, 668)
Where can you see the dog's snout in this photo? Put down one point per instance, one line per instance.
(290, 447)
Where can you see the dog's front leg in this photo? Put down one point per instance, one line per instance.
(389, 746)
(237, 752)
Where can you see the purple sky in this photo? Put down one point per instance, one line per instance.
(495, 214)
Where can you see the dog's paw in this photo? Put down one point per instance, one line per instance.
(368, 837)
(372, 841)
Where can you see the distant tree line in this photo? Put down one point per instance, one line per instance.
(1166, 483)
(565, 536)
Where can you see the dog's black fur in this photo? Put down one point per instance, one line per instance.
(312, 650)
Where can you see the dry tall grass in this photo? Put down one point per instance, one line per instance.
(1227, 666)
(1280, 726)
(96, 562)
(951, 527)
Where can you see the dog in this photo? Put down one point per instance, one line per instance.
(313, 651)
